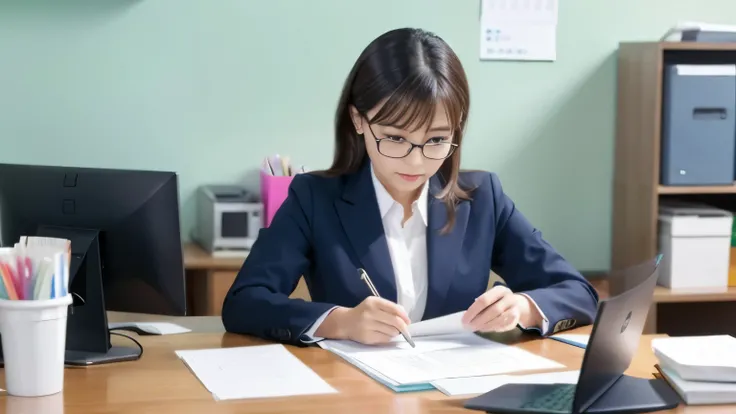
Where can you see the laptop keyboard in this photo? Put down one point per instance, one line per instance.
(559, 400)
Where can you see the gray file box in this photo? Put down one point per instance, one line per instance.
(698, 125)
(706, 36)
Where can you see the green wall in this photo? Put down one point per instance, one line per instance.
(208, 88)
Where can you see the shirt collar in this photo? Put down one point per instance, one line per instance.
(385, 201)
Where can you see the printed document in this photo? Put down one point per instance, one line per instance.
(253, 372)
(406, 367)
(444, 349)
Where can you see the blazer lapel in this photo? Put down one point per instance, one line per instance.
(361, 219)
(443, 250)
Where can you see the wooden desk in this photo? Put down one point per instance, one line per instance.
(159, 382)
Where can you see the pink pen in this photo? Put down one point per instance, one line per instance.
(28, 277)
(19, 277)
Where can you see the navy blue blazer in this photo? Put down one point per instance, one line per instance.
(328, 227)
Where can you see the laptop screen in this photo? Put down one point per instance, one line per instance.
(616, 333)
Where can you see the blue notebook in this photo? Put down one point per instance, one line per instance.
(400, 388)
(578, 340)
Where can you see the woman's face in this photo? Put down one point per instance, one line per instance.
(387, 147)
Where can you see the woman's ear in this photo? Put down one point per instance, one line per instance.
(357, 119)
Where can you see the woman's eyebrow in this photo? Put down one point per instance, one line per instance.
(440, 128)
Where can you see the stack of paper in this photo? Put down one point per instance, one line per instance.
(253, 372)
(702, 369)
(443, 350)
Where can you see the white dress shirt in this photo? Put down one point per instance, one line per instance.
(407, 246)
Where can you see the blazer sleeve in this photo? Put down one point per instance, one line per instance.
(258, 301)
(530, 265)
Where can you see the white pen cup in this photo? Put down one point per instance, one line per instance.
(50, 404)
(34, 339)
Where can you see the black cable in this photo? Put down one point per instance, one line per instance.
(131, 338)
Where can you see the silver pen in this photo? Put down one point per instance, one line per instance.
(367, 280)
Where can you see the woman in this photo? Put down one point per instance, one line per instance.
(395, 204)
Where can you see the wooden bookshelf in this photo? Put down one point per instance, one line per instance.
(665, 295)
(691, 46)
(637, 191)
(711, 189)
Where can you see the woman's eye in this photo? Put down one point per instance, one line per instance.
(395, 139)
(437, 140)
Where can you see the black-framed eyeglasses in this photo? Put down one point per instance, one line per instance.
(397, 147)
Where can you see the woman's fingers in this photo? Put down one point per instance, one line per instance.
(492, 313)
(483, 301)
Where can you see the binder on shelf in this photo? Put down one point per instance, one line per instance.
(699, 126)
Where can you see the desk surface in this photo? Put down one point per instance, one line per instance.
(160, 382)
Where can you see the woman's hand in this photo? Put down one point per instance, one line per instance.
(500, 310)
(373, 321)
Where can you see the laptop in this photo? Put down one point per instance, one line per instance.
(602, 386)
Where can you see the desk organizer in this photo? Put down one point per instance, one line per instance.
(274, 189)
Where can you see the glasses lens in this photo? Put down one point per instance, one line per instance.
(394, 149)
(437, 151)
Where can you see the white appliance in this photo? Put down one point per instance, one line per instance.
(228, 219)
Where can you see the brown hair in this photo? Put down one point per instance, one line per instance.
(413, 71)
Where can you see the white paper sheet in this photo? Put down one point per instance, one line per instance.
(348, 350)
(443, 325)
(481, 385)
(518, 30)
(412, 366)
(423, 344)
(699, 350)
(253, 372)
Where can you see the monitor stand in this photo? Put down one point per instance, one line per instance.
(87, 333)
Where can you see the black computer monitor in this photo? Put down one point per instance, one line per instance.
(125, 239)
